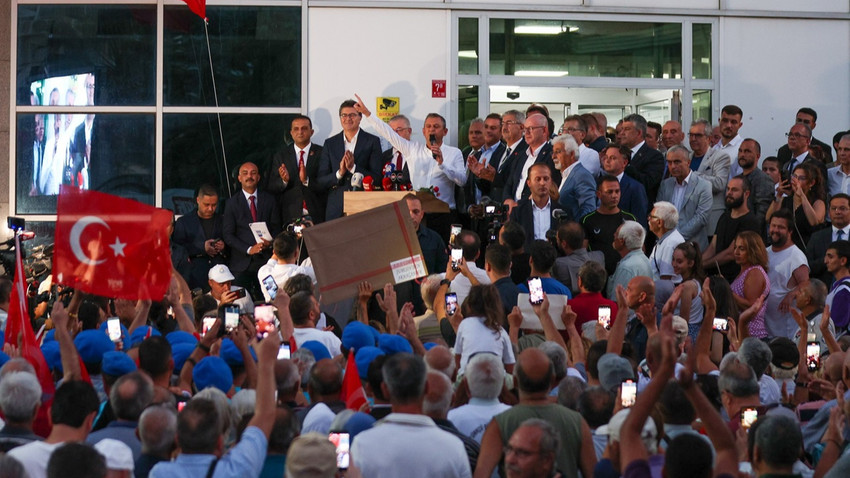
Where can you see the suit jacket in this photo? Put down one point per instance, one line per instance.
(367, 161)
(695, 209)
(189, 235)
(502, 175)
(578, 194)
(784, 154)
(512, 182)
(815, 252)
(647, 166)
(473, 181)
(714, 168)
(810, 159)
(236, 233)
(633, 199)
(523, 214)
(566, 267)
(290, 197)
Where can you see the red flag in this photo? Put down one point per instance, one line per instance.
(352, 389)
(111, 246)
(18, 323)
(199, 7)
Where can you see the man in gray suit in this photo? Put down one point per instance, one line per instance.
(712, 165)
(690, 194)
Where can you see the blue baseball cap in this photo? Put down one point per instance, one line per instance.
(212, 371)
(429, 345)
(319, 350)
(179, 353)
(181, 337)
(117, 364)
(50, 350)
(92, 344)
(356, 335)
(140, 334)
(364, 357)
(392, 344)
(49, 336)
(231, 354)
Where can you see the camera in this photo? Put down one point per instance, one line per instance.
(297, 226)
(512, 95)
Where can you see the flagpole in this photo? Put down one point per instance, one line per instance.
(217, 114)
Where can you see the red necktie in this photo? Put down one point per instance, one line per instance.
(399, 163)
(253, 208)
(301, 165)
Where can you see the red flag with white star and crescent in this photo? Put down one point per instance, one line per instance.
(111, 246)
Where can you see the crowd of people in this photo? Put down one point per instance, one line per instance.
(598, 303)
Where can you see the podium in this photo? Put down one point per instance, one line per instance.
(359, 201)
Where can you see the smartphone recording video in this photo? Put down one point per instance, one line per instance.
(535, 291)
(628, 393)
(265, 320)
(604, 316)
(451, 303)
(721, 324)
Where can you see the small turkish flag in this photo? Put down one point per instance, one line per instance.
(199, 7)
(111, 246)
(352, 389)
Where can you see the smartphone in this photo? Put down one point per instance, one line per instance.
(231, 317)
(207, 324)
(451, 303)
(535, 291)
(341, 442)
(490, 209)
(813, 355)
(113, 328)
(432, 139)
(284, 352)
(240, 292)
(604, 316)
(456, 228)
(265, 320)
(749, 415)
(271, 286)
(457, 256)
(644, 369)
(628, 393)
(721, 324)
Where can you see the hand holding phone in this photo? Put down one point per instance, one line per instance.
(113, 327)
(271, 286)
(813, 355)
(749, 415)
(341, 442)
(604, 316)
(457, 256)
(721, 324)
(451, 303)
(535, 291)
(628, 393)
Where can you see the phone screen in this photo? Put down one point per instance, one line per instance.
(535, 290)
(457, 255)
(749, 415)
(271, 286)
(113, 328)
(604, 317)
(240, 293)
(284, 352)
(451, 303)
(628, 393)
(231, 317)
(207, 324)
(264, 315)
(455, 232)
(341, 442)
(721, 324)
(813, 355)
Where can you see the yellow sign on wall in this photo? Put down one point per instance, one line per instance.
(386, 107)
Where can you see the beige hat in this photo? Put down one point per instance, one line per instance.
(118, 455)
(311, 455)
(680, 328)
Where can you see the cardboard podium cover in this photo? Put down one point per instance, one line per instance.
(377, 246)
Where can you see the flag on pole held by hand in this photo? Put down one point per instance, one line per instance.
(111, 246)
(352, 390)
(198, 7)
(19, 329)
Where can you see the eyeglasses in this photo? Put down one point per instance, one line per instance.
(399, 130)
(799, 178)
(532, 128)
(349, 115)
(519, 452)
(512, 123)
(696, 135)
(795, 135)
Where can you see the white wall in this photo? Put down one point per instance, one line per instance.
(375, 53)
(771, 68)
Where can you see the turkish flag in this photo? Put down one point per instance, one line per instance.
(111, 246)
(199, 7)
(19, 329)
(352, 389)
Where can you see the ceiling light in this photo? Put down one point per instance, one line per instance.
(467, 54)
(546, 73)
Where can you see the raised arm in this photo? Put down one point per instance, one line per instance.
(702, 348)
(618, 330)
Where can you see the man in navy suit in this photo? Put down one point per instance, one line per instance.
(515, 146)
(483, 163)
(536, 131)
(632, 193)
(247, 206)
(199, 233)
(534, 213)
(646, 164)
(294, 172)
(577, 189)
(351, 151)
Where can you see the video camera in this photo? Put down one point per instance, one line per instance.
(297, 226)
(491, 211)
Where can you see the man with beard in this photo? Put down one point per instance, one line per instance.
(788, 272)
(761, 185)
(718, 257)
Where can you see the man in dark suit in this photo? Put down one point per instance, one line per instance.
(247, 206)
(294, 172)
(483, 162)
(515, 146)
(539, 150)
(199, 234)
(799, 140)
(534, 213)
(351, 151)
(839, 212)
(808, 117)
(646, 164)
(632, 193)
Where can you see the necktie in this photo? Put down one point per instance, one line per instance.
(504, 158)
(839, 235)
(399, 162)
(253, 208)
(301, 165)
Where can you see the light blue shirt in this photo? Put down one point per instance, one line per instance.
(245, 460)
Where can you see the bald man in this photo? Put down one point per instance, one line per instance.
(535, 376)
(536, 134)
(440, 359)
(639, 291)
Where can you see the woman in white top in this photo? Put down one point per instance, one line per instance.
(687, 262)
(481, 330)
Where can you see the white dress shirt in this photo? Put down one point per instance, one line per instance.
(589, 158)
(845, 233)
(530, 158)
(679, 192)
(839, 181)
(731, 149)
(540, 218)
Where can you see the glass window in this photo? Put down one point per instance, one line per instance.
(192, 151)
(58, 45)
(702, 51)
(547, 48)
(467, 48)
(111, 153)
(702, 105)
(467, 111)
(256, 54)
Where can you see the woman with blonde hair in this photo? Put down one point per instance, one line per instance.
(752, 283)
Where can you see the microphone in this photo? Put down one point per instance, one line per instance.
(367, 183)
(389, 168)
(357, 182)
(559, 214)
(387, 184)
